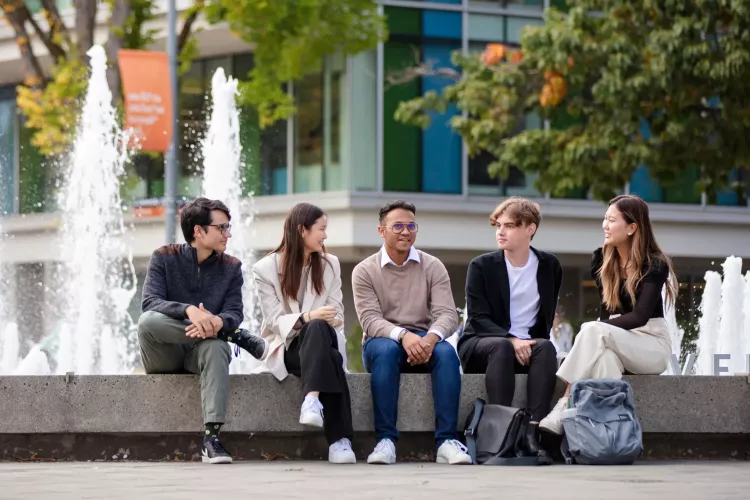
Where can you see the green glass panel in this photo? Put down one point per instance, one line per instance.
(31, 176)
(685, 189)
(561, 5)
(403, 21)
(250, 141)
(401, 157)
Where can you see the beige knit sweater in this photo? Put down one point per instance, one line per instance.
(416, 295)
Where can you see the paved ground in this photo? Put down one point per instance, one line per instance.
(319, 480)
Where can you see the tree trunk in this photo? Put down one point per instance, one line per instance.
(85, 24)
(188, 26)
(58, 32)
(121, 9)
(17, 15)
(52, 39)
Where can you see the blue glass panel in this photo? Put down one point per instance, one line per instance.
(729, 197)
(278, 184)
(643, 185)
(441, 147)
(441, 24)
(7, 154)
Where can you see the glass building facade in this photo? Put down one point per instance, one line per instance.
(344, 137)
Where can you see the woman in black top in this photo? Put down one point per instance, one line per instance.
(631, 334)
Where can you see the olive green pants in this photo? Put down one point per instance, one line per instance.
(166, 349)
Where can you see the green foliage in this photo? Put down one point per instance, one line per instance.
(52, 111)
(291, 38)
(354, 350)
(133, 33)
(689, 339)
(597, 74)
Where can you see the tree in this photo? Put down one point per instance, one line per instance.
(623, 83)
(290, 38)
(50, 99)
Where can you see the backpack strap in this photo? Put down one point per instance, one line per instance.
(565, 450)
(471, 430)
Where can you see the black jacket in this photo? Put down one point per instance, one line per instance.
(175, 280)
(488, 296)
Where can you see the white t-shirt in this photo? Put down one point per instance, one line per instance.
(524, 296)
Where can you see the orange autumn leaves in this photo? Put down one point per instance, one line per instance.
(495, 52)
(554, 88)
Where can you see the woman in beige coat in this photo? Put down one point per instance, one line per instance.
(299, 286)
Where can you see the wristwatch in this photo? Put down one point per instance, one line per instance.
(401, 336)
(302, 319)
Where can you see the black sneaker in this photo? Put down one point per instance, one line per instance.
(214, 452)
(253, 344)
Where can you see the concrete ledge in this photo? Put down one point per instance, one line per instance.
(164, 404)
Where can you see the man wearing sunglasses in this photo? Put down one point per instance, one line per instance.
(192, 306)
(405, 305)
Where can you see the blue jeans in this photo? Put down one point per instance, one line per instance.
(385, 360)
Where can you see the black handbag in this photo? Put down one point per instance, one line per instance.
(495, 435)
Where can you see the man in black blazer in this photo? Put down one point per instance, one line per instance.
(511, 298)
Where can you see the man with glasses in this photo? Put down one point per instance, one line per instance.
(405, 305)
(192, 306)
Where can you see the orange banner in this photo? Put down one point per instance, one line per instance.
(148, 97)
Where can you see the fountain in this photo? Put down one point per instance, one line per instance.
(708, 325)
(675, 332)
(96, 334)
(730, 335)
(724, 326)
(223, 180)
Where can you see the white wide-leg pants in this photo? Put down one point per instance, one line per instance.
(601, 350)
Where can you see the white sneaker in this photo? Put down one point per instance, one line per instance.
(553, 422)
(341, 452)
(384, 453)
(453, 452)
(311, 413)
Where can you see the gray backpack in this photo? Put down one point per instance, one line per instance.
(601, 427)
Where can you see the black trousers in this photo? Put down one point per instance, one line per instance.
(314, 357)
(495, 357)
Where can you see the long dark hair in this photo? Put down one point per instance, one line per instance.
(643, 251)
(292, 251)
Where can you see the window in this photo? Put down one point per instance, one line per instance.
(29, 183)
(517, 5)
(35, 180)
(738, 191)
(363, 160)
(414, 159)
(264, 151)
(35, 6)
(683, 190)
(7, 150)
(484, 29)
(319, 128)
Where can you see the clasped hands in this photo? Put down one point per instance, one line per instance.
(326, 313)
(419, 349)
(205, 325)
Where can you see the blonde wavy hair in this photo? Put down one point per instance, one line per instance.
(520, 210)
(643, 251)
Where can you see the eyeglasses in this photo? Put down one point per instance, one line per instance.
(224, 228)
(399, 227)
